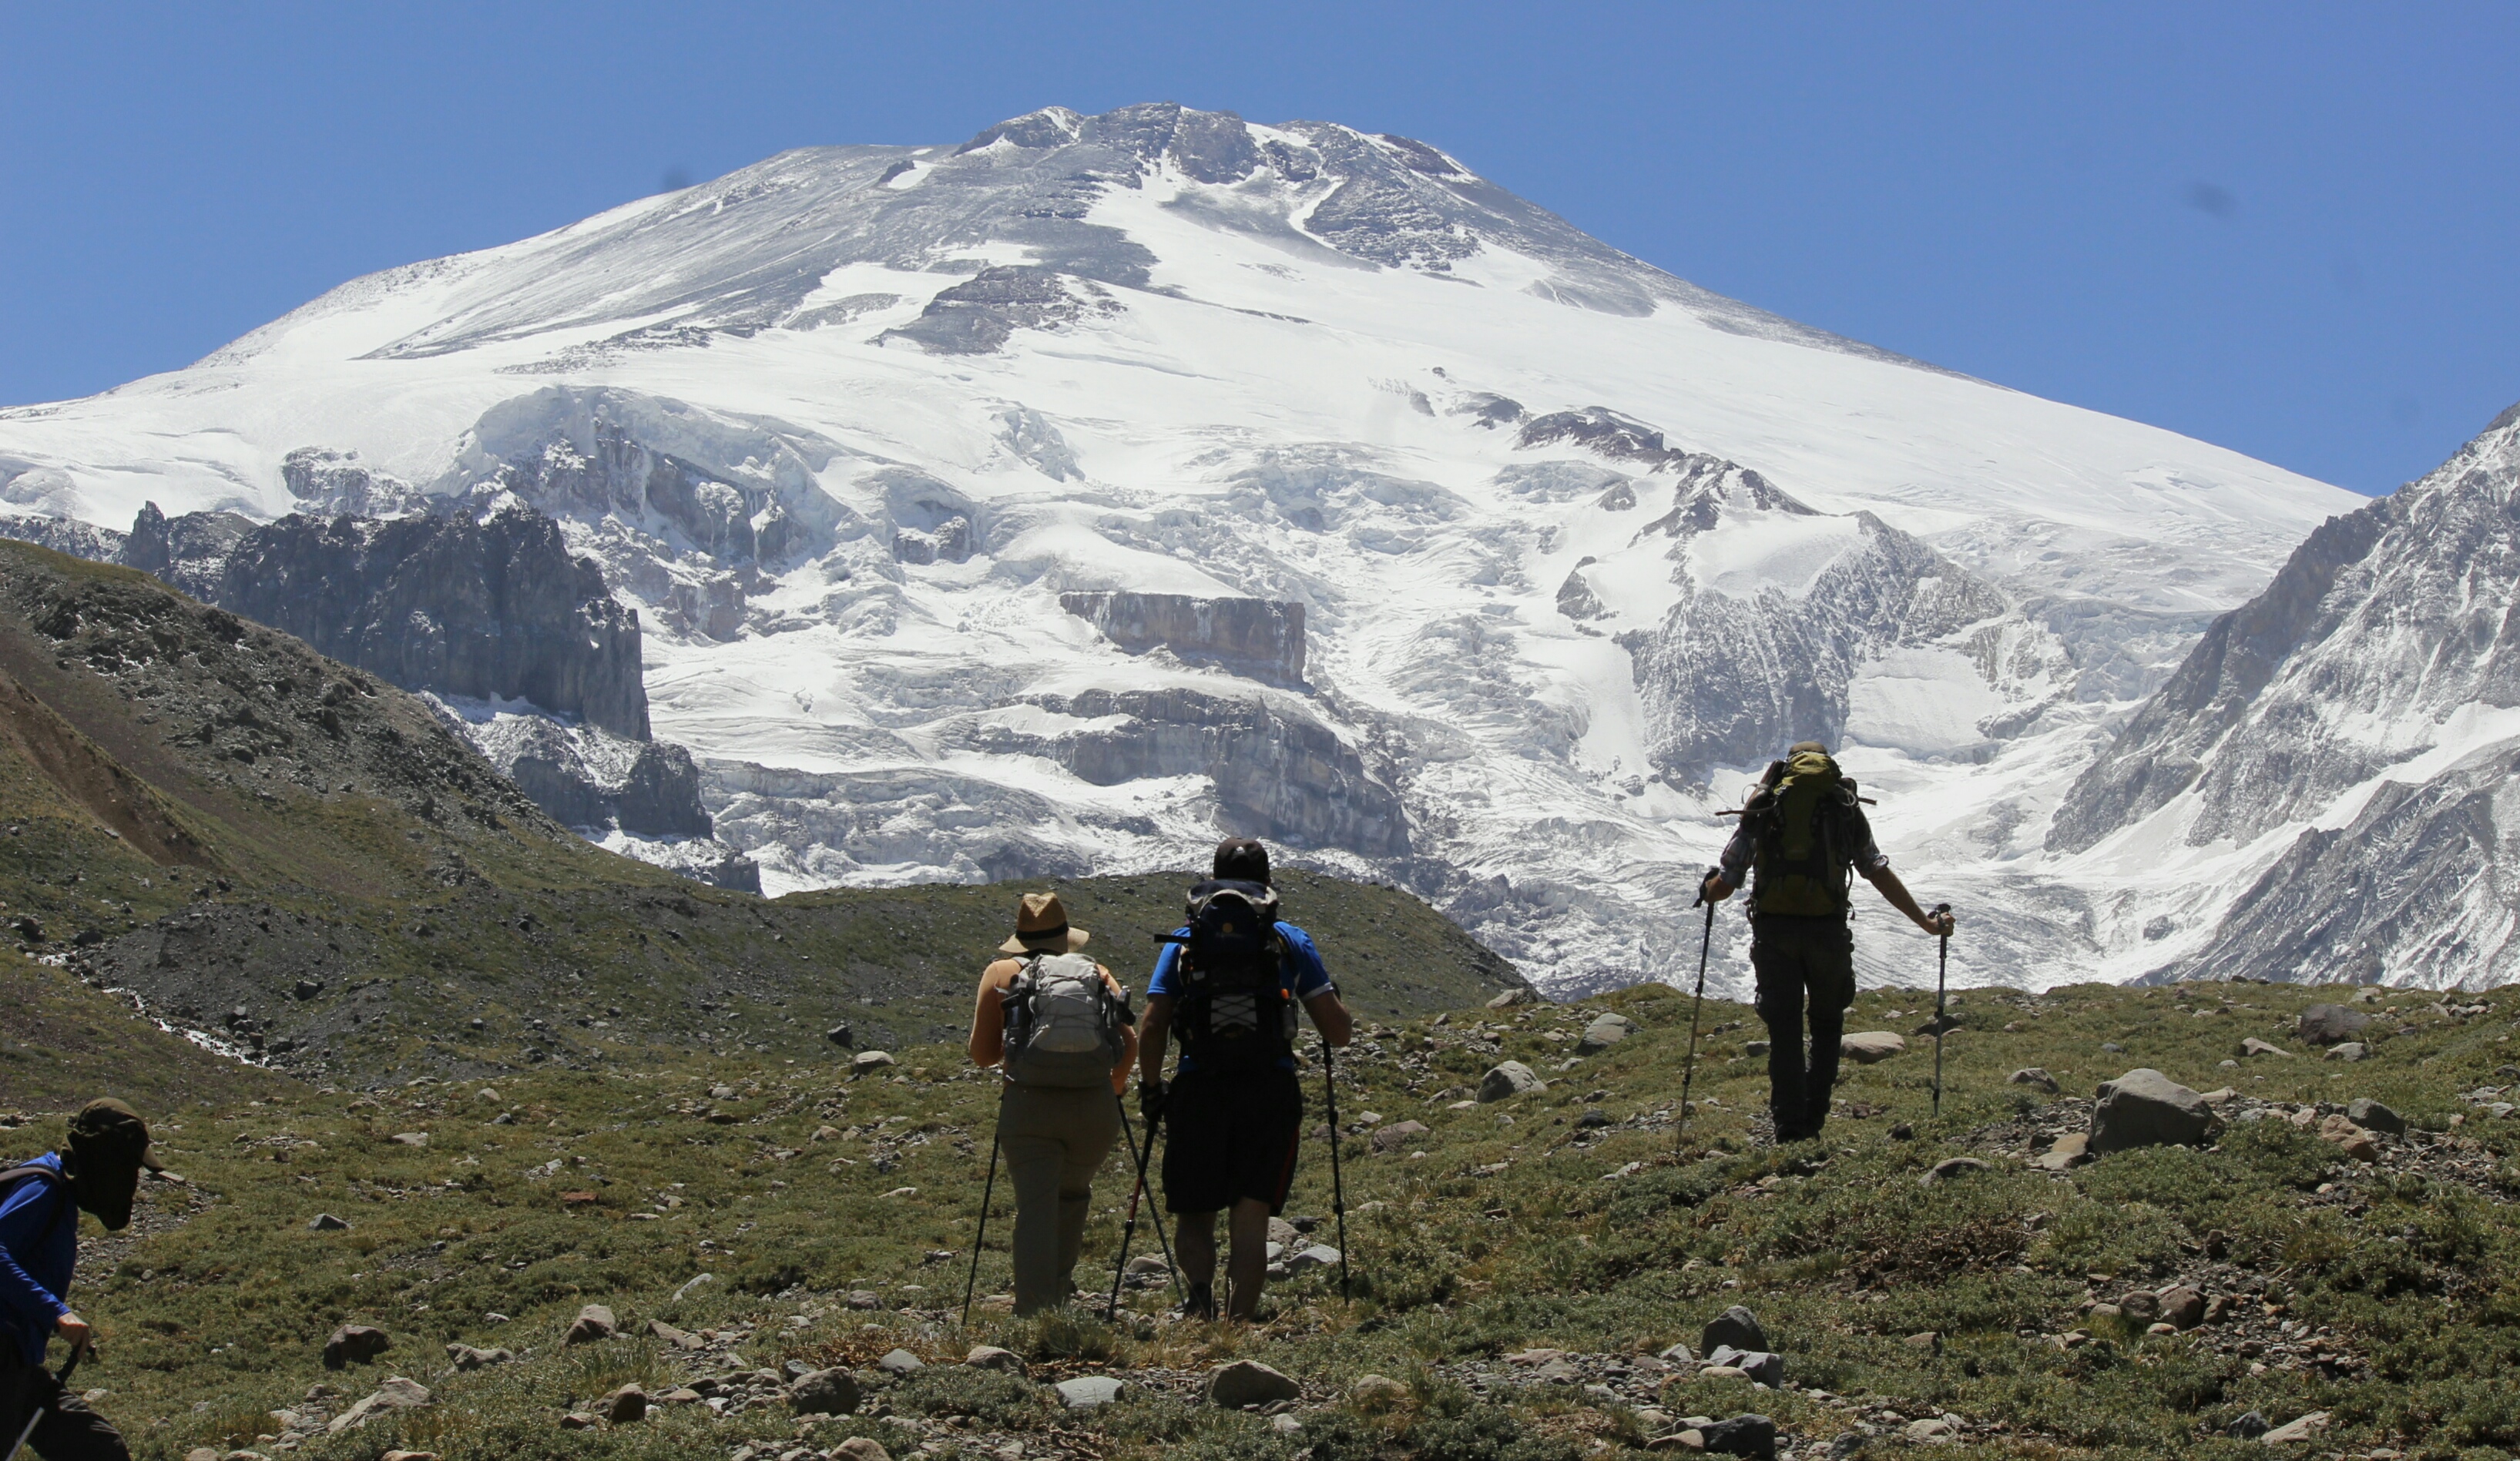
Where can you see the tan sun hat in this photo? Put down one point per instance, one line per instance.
(1041, 927)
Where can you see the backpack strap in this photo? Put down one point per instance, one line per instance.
(60, 1184)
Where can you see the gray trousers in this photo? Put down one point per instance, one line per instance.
(1054, 1140)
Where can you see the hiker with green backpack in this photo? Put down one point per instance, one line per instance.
(39, 1206)
(1057, 1024)
(1802, 837)
(1227, 986)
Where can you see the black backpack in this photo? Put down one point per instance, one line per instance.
(1233, 1012)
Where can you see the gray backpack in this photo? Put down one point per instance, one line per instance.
(1064, 1028)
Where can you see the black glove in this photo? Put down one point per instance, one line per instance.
(1150, 1099)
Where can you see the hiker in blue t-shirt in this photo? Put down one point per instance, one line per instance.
(39, 1206)
(1231, 1126)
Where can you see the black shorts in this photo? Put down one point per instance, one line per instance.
(1229, 1137)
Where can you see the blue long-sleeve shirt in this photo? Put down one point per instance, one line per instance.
(39, 1248)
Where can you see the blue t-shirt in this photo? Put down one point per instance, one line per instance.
(1300, 974)
(38, 1247)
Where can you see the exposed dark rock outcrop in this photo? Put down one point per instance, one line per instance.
(1276, 775)
(485, 610)
(1258, 637)
(80, 540)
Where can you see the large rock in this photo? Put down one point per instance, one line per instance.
(1737, 1328)
(2145, 1108)
(2370, 1115)
(1511, 1078)
(1091, 1392)
(594, 1323)
(1398, 1134)
(1765, 1366)
(2330, 1024)
(395, 1393)
(1868, 1046)
(991, 1357)
(1753, 1436)
(1603, 1033)
(1248, 1382)
(354, 1344)
(833, 1392)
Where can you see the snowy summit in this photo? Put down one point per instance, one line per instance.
(1046, 504)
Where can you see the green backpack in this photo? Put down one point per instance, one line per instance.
(1798, 816)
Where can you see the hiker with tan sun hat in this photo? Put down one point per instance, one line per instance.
(1057, 1026)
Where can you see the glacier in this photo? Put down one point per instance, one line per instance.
(967, 494)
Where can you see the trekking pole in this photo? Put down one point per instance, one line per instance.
(971, 1284)
(37, 1419)
(1339, 1184)
(1942, 970)
(1688, 1072)
(1129, 1228)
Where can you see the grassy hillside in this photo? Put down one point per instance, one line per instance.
(2384, 1294)
(207, 814)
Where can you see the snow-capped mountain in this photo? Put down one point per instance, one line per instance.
(2340, 752)
(1050, 503)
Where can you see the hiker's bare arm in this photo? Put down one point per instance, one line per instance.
(1887, 883)
(1154, 1032)
(1128, 1037)
(989, 1021)
(1716, 889)
(1330, 1018)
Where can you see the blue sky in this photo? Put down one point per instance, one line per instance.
(2287, 229)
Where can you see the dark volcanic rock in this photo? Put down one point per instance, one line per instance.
(489, 610)
(1255, 636)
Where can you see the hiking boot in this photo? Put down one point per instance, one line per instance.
(1201, 1303)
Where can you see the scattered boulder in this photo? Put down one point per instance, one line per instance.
(1372, 1394)
(2293, 1432)
(2349, 1138)
(1931, 1430)
(1758, 1364)
(625, 1405)
(1754, 1048)
(326, 1222)
(2371, 1116)
(1678, 1354)
(2256, 1046)
(594, 1323)
(1753, 1436)
(840, 1035)
(1511, 1078)
(867, 1062)
(1736, 1328)
(395, 1393)
(1951, 1168)
(1393, 1137)
(2348, 1052)
(832, 1392)
(2182, 1307)
(1930, 1342)
(863, 1298)
(678, 1339)
(2139, 1306)
(1091, 1392)
(991, 1357)
(409, 1138)
(900, 1363)
(2067, 1151)
(861, 1448)
(1248, 1382)
(2145, 1108)
(2247, 1426)
(1513, 997)
(354, 1344)
(1316, 1256)
(1603, 1033)
(2330, 1024)
(467, 1357)
(1872, 1047)
(2034, 1076)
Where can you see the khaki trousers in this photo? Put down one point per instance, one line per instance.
(1054, 1140)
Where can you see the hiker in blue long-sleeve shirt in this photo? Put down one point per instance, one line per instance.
(39, 1206)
